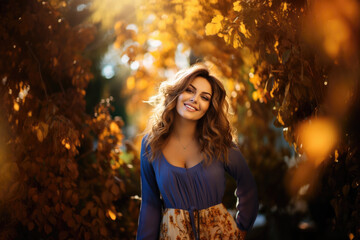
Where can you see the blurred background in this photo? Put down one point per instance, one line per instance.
(75, 74)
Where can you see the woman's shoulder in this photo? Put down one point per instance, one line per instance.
(235, 152)
(234, 147)
(145, 144)
(145, 139)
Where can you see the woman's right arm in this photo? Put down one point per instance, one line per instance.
(150, 210)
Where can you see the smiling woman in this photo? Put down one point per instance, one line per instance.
(184, 155)
(193, 103)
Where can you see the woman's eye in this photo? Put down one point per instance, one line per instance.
(188, 90)
(205, 98)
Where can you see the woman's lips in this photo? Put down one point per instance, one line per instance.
(190, 108)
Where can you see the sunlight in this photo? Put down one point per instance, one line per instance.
(318, 136)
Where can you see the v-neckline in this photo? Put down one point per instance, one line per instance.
(182, 168)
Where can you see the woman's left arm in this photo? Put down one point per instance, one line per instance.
(246, 191)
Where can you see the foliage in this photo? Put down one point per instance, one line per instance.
(298, 59)
(61, 172)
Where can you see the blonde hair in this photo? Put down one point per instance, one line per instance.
(214, 131)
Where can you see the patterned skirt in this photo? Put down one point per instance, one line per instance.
(211, 223)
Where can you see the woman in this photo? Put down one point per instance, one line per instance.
(184, 156)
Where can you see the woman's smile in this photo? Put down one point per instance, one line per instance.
(194, 101)
(190, 107)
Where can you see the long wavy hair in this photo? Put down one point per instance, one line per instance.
(213, 131)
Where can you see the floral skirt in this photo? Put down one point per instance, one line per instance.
(215, 223)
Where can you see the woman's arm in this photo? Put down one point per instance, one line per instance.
(150, 210)
(246, 191)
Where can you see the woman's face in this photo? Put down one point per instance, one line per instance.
(193, 103)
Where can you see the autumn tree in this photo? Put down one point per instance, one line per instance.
(61, 174)
(290, 63)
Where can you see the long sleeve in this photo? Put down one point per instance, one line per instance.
(150, 210)
(246, 191)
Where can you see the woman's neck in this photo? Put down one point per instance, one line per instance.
(183, 128)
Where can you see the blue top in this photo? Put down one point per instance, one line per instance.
(198, 187)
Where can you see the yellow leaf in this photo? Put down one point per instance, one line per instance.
(284, 6)
(227, 39)
(39, 135)
(142, 84)
(244, 31)
(16, 106)
(141, 38)
(65, 143)
(45, 128)
(130, 83)
(336, 155)
(237, 7)
(255, 95)
(280, 119)
(211, 29)
(214, 26)
(178, 9)
(114, 128)
(112, 215)
(217, 19)
(117, 27)
(235, 43)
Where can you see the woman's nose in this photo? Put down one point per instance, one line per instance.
(193, 98)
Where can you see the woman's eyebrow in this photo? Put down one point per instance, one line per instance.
(196, 89)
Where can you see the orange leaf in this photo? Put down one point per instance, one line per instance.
(68, 195)
(13, 189)
(31, 226)
(52, 220)
(103, 231)
(32, 191)
(74, 199)
(84, 212)
(57, 208)
(101, 214)
(89, 205)
(47, 228)
(87, 236)
(115, 190)
(63, 235)
(93, 211)
(71, 223)
(67, 215)
(109, 182)
(78, 218)
(105, 197)
(35, 197)
(112, 215)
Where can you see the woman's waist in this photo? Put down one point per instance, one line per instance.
(196, 209)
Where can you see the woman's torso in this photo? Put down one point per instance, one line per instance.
(198, 186)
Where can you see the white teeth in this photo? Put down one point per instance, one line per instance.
(190, 107)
